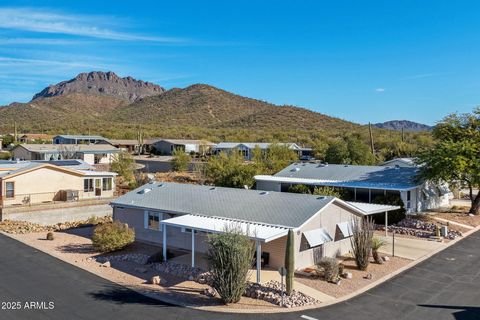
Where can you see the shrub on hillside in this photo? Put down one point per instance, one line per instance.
(112, 236)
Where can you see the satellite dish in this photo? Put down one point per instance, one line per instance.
(150, 177)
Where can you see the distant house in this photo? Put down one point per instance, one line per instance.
(167, 146)
(30, 183)
(401, 162)
(133, 145)
(182, 215)
(246, 148)
(35, 138)
(77, 139)
(90, 153)
(363, 183)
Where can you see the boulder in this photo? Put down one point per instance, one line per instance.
(368, 276)
(386, 258)
(106, 264)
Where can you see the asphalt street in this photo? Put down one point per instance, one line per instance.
(446, 286)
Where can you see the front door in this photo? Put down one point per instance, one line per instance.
(98, 187)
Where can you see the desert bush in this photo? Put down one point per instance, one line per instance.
(50, 236)
(229, 257)
(361, 240)
(112, 236)
(330, 268)
(377, 243)
(180, 160)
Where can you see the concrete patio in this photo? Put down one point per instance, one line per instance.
(412, 249)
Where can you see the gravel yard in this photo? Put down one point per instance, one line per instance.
(358, 281)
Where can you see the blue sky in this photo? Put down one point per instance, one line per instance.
(358, 60)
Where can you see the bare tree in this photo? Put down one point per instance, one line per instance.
(67, 151)
(361, 240)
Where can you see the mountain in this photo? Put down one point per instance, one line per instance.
(403, 124)
(103, 84)
(103, 103)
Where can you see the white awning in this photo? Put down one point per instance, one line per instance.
(317, 237)
(256, 231)
(345, 228)
(372, 208)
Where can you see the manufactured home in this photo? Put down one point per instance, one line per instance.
(180, 216)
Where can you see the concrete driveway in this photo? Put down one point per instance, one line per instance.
(412, 249)
(444, 287)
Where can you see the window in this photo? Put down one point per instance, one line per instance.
(10, 189)
(153, 221)
(107, 184)
(88, 185)
(409, 194)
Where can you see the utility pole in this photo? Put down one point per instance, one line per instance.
(403, 135)
(372, 146)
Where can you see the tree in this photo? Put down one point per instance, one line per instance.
(299, 188)
(361, 240)
(229, 170)
(66, 152)
(455, 156)
(180, 160)
(290, 261)
(230, 256)
(332, 192)
(350, 150)
(124, 165)
(275, 158)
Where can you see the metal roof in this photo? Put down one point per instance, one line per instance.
(253, 145)
(274, 208)
(15, 167)
(317, 237)
(373, 177)
(406, 161)
(80, 137)
(185, 141)
(80, 148)
(262, 232)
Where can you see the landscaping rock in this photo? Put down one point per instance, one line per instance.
(155, 280)
(368, 276)
(106, 264)
(209, 292)
(272, 292)
(386, 258)
(347, 275)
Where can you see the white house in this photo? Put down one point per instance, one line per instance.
(401, 162)
(364, 183)
(167, 146)
(246, 148)
(90, 153)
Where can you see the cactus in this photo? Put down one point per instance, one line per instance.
(290, 261)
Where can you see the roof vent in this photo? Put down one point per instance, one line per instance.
(345, 165)
(397, 166)
(160, 185)
(143, 191)
(245, 187)
(213, 188)
(264, 193)
(320, 198)
(295, 170)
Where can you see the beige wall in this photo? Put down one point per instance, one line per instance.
(304, 257)
(44, 184)
(21, 153)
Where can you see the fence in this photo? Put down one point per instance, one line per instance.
(61, 196)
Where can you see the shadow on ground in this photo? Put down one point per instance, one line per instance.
(121, 295)
(464, 312)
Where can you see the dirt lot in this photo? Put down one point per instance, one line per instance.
(460, 217)
(358, 281)
(74, 246)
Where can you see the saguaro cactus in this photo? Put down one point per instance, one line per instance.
(290, 261)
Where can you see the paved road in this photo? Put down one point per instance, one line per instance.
(446, 286)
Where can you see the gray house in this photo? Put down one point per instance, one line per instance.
(246, 148)
(167, 146)
(181, 216)
(77, 139)
(364, 183)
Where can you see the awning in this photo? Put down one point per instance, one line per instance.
(372, 208)
(317, 237)
(345, 229)
(256, 231)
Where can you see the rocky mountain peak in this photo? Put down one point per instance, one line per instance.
(102, 83)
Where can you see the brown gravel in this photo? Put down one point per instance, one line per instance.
(460, 217)
(357, 282)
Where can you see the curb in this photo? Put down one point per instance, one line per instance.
(222, 309)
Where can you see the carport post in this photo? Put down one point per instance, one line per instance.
(193, 248)
(164, 243)
(386, 223)
(259, 260)
(369, 195)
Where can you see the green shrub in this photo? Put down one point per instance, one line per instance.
(229, 257)
(330, 268)
(108, 237)
(299, 188)
(180, 160)
(377, 243)
(50, 236)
